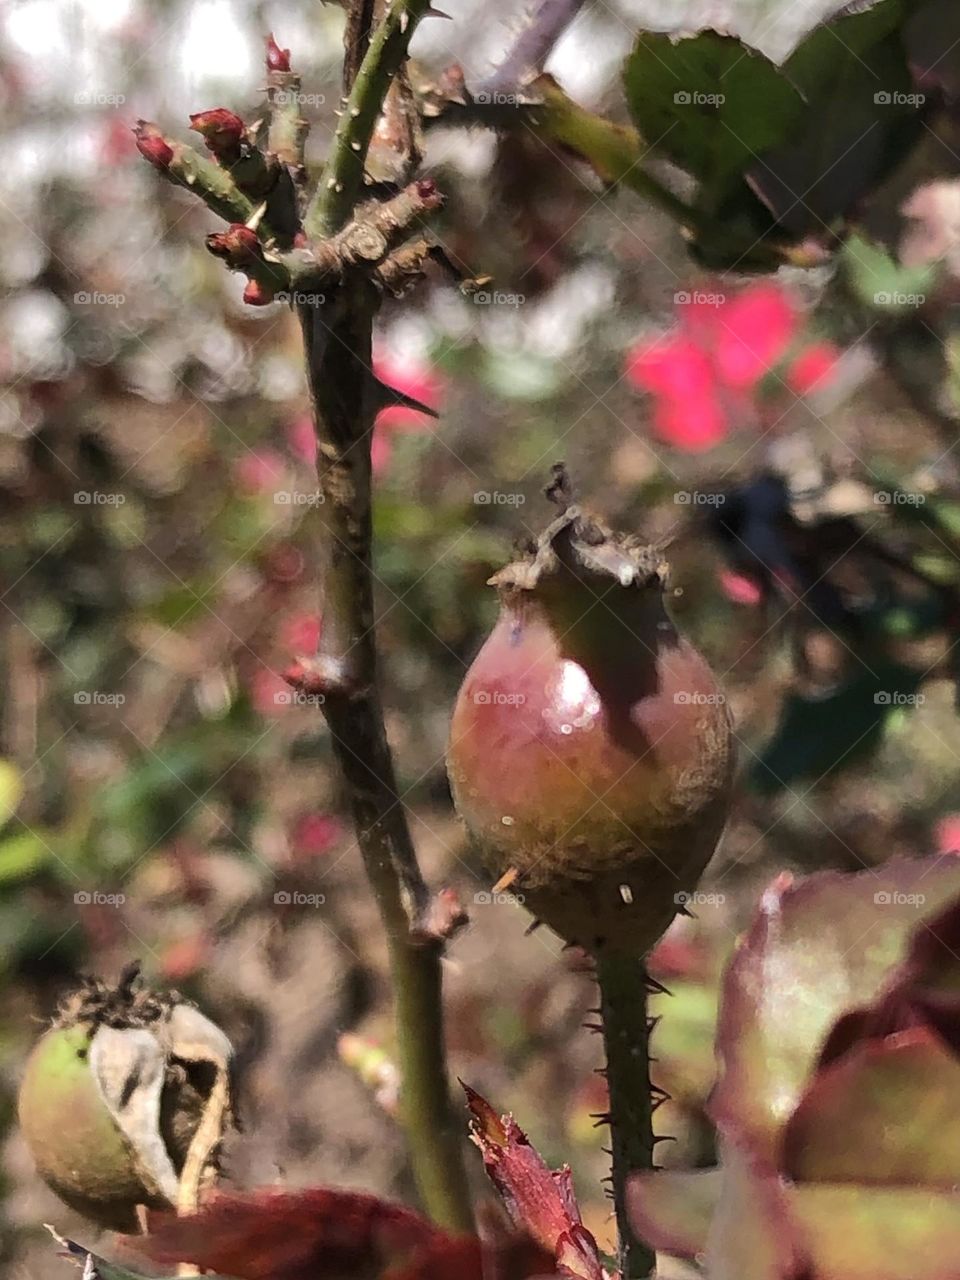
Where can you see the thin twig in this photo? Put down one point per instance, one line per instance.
(540, 32)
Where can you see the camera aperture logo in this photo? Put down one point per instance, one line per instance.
(96, 898)
(894, 898)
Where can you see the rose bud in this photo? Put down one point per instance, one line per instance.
(237, 245)
(222, 130)
(152, 144)
(277, 59)
(591, 748)
(256, 294)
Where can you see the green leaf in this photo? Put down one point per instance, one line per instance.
(11, 790)
(775, 27)
(879, 280)
(861, 112)
(21, 855)
(709, 103)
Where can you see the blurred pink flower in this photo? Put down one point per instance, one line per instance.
(739, 588)
(315, 834)
(300, 633)
(302, 438)
(706, 373)
(270, 695)
(947, 834)
(259, 471)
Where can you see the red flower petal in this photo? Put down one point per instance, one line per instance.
(692, 424)
(756, 331)
(739, 588)
(670, 366)
(812, 368)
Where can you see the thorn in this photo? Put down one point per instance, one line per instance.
(355, 146)
(508, 878)
(256, 217)
(663, 1137)
(386, 397)
(656, 988)
(431, 12)
(354, 112)
(532, 927)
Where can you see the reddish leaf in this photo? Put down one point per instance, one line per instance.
(816, 950)
(877, 1233)
(672, 1209)
(318, 1234)
(539, 1201)
(886, 1112)
(326, 1234)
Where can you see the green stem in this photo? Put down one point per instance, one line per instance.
(337, 338)
(342, 180)
(623, 1004)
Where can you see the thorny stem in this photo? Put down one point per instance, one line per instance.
(338, 341)
(342, 179)
(626, 1032)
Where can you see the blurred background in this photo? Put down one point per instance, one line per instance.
(159, 783)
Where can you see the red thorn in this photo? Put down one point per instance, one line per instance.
(153, 145)
(277, 59)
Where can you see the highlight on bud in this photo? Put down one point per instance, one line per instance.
(277, 59)
(152, 145)
(221, 130)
